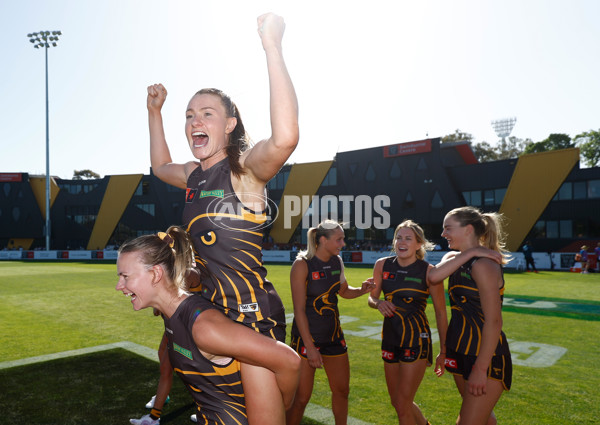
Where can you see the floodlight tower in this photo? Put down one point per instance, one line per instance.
(45, 39)
(504, 127)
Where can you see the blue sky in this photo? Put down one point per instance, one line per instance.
(366, 73)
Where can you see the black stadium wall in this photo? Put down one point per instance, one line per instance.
(545, 197)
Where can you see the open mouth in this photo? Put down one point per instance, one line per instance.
(199, 138)
(130, 295)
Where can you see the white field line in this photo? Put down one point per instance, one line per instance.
(313, 411)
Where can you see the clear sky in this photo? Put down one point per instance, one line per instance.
(367, 73)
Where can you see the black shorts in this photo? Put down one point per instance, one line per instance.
(327, 350)
(273, 327)
(500, 368)
(395, 354)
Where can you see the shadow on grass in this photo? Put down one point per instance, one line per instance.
(107, 387)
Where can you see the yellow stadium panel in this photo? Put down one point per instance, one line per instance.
(304, 181)
(532, 186)
(16, 243)
(38, 186)
(118, 193)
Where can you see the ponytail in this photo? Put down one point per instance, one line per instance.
(172, 250)
(313, 236)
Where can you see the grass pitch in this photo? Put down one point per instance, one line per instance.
(552, 320)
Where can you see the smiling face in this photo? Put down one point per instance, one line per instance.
(334, 244)
(406, 244)
(207, 128)
(135, 280)
(458, 236)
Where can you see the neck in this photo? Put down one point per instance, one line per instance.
(169, 301)
(405, 261)
(206, 163)
(323, 255)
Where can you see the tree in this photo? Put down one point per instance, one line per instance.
(513, 147)
(553, 142)
(484, 152)
(458, 136)
(589, 145)
(85, 174)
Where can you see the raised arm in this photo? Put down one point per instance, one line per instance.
(213, 333)
(160, 157)
(453, 260)
(265, 159)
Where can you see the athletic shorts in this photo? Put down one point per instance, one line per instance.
(273, 327)
(395, 354)
(499, 370)
(327, 350)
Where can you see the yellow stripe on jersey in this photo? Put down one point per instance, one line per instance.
(249, 243)
(258, 278)
(245, 217)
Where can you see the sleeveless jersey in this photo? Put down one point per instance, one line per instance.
(216, 389)
(322, 286)
(227, 240)
(407, 288)
(466, 322)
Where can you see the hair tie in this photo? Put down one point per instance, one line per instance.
(167, 238)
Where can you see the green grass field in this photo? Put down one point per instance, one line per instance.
(552, 320)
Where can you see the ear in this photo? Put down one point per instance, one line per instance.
(231, 123)
(157, 274)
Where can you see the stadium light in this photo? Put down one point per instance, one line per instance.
(45, 39)
(504, 127)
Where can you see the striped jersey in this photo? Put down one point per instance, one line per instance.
(227, 240)
(216, 389)
(406, 287)
(466, 322)
(322, 286)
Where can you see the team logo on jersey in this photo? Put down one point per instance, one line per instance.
(318, 275)
(183, 351)
(388, 355)
(451, 363)
(190, 195)
(248, 308)
(226, 211)
(217, 193)
(389, 276)
(208, 237)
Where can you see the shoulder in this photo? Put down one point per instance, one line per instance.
(482, 265)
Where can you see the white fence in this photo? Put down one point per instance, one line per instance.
(543, 261)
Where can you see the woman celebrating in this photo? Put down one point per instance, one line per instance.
(406, 346)
(477, 350)
(317, 276)
(225, 203)
(152, 271)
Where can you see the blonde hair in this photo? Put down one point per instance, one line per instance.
(487, 227)
(325, 228)
(172, 250)
(419, 234)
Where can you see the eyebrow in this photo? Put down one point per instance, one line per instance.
(201, 109)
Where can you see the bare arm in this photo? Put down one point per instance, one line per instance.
(488, 277)
(349, 292)
(265, 159)
(213, 333)
(441, 318)
(160, 156)
(453, 260)
(298, 278)
(386, 308)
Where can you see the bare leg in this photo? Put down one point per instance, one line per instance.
(403, 380)
(338, 375)
(264, 403)
(303, 394)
